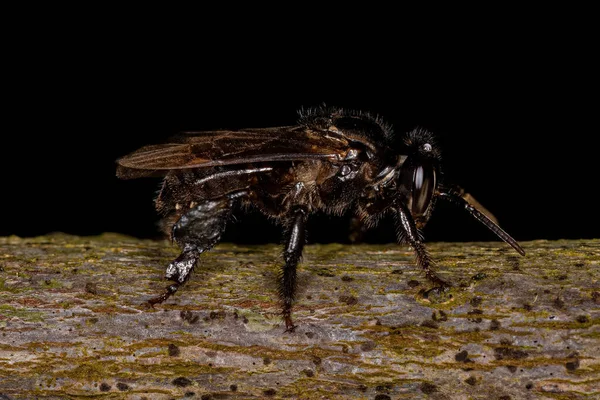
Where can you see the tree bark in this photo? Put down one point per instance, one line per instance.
(74, 322)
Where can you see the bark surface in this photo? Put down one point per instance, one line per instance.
(74, 322)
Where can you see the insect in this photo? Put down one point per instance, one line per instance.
(333, 161)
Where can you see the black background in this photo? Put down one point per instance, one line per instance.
(516, 120)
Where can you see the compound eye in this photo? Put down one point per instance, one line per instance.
(423, 186)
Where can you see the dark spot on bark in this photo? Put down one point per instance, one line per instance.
(308, 372)
(104, 387)
(442, 316)
(368, 346)
(325, 272)
(502, 353)
(122, 386)
(310, 335)
(527, 307)
(596, 297)
(463, 356)
(233, 388)
(514, 262)
(316, 360)
(529, 386)
(579, 264)
(476, 301)
(512, 368)
(245, 320)
(505, 397)
(494, 325)
(270, 392)
(350, 300)
(174, 350)
(428, 388)
(572, 365)
(397, 272)
(479, 276)
(189, 316)
(189, 394)
(413, 283)
(558, 302)
(347, 278)
(475, 319)
(562, 277)
(92, 320)
(91, 287)
(471, 380)
(383, 388)
(181, 382)
(396, 330)
(582, 319)
(362, 388)
(266, 361)
(217, 314)
(430, 324)
(382, 397)
(206, 397)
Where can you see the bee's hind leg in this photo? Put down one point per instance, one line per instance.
(196, 231)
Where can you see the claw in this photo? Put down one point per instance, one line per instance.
(438, 294)
(169, 290)
(289, 325)
(441, 284)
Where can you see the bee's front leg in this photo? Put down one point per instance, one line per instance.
(196, 231)
(295, 239)
(408, 233)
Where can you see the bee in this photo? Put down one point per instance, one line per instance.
(332, 161)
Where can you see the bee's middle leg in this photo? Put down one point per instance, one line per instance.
(294, 244)
(196, 231)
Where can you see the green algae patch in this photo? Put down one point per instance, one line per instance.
(584, 324)
(25, 314)
(6, 288)
(113, 309)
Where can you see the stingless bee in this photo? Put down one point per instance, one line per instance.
(333, 161)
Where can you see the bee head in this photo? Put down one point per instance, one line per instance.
(419, 174)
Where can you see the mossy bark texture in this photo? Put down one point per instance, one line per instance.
(74, 322)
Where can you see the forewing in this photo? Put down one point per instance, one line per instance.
(214, 148)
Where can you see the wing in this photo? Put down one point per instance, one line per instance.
(215, 148)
